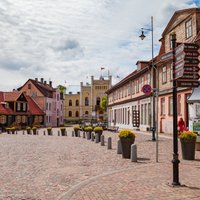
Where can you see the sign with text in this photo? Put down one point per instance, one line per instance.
(183, 83)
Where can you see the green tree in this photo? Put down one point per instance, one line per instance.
(103, 103)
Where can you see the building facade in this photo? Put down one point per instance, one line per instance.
(19, 110)
(85, 104)
(48, 99)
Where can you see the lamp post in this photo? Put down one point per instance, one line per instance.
(142, 36)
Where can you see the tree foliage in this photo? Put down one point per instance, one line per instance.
(103, 103)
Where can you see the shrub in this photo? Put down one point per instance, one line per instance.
(49, 128)
(187, 135)
(28, 128)
(98, 128)
(62, 128)
(77, 127)
(34, 128)
(125, 133)
(88, 129)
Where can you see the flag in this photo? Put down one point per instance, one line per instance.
(102, 68)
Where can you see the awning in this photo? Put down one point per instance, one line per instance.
(195, 96)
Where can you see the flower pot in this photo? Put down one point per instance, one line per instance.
(99, 134)
(34, 131)
(63, 132)
(49, 132)
(126, 146)
(188, 149)
(76, 132)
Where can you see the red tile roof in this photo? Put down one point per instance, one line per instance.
(34, 109)
(11, 96)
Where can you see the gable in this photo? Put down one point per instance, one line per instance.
(22, 98)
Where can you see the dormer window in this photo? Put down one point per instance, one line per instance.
(188, 28)
(18, 106)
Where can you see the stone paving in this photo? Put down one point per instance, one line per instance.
(65, 167)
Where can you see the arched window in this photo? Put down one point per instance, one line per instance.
(86, 112)
(77, 102)
(70, 102)
(70, 113)
(86, 101)
(98, 101)
(77, 114)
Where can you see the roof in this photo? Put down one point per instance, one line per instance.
(44, 88)
(33, 108)
(178, 17)
(195, 96)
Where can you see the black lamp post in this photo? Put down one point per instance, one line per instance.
(142, 36)
(175, 160)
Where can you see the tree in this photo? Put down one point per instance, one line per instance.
(103, 103)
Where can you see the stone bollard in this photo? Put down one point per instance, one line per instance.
(109, 143)
(96, 137)
(72, 133)
(58, 133)
(23, 132)
(119, 147)
(88, 135)
(133, 153)
(65, 133)
(79, 133)
(37, 133)
(44, 133)
(102, 140)
(51, 132)
(16, 132)
(92, 137)
(83, 134)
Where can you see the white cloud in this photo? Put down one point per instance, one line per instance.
(69, 40)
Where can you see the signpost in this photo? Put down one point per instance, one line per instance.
(186, 65)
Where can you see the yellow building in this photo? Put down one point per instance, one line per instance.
(85, 104)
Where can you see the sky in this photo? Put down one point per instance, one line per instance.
(68, 41)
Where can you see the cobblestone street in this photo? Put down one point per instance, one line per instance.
(56, 167)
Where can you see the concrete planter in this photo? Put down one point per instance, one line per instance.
(198, 144)
(126, 146)
(188, 149)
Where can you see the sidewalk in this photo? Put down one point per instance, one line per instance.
(41, 167)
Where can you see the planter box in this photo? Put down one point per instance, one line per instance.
(188, 149)
(198, 144)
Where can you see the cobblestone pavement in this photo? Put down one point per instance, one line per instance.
(56, 167)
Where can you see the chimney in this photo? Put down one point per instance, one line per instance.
(42, 80)
(45, 82)
(36, 79)
(50, 83)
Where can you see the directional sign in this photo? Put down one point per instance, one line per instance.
(182, 83)
(191, 46)
(191, 68)
(190, 76)
(179, 73)
(191, 54)
(191, 61)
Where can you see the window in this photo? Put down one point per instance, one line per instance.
(188, 28)
(137, 86)
(142, 81)
(77, 102)
(129, 89)
(29, 86)
(77, 114)
(70, 113)
(49, 106)
(18, 106)
(23, 119)
(171, 105)
(133, 88)
(70, 102)
(46, 106)
(171, 72)
(164, 74)
(170, 41)
(2, 119)
(179, 104)
(18, 119)
(148, 78)
(86, 101)
(163, 106)
(24, 106)
(98, 101)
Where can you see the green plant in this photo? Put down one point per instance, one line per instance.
(49, 128)
(28, 128)
(98, 128)
(77, 127)
(62, 128)
(125, 133)
(187, 135)
(34, 128)
(88, 129)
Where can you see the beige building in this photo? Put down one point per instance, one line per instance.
(85, 104)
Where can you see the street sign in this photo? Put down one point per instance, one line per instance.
(179, 73)
(191, 68)
(183, 83)
(191, 54)
(191, 61)
(190, 76)
(147, 89)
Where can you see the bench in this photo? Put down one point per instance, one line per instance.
(113, 128)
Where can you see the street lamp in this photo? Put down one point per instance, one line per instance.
(142, 36)
(155, 90)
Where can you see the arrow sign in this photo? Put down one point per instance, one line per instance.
(191, 46)
(191, 54)
(188, 83)
(190, 76)
(191, 61)
(191, 68)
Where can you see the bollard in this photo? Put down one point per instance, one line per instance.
(109, 143)
(16, 132)
(79, 133)
(133, 153)
(88, 135)
(96, 137)
(37, 133)
(83, 134)
(44, 133)
(58, 133)
(65, 133)
(51, 132)
(119, 147)
(23, 132)
(72, 133)
(92, 137)
(102, 140)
